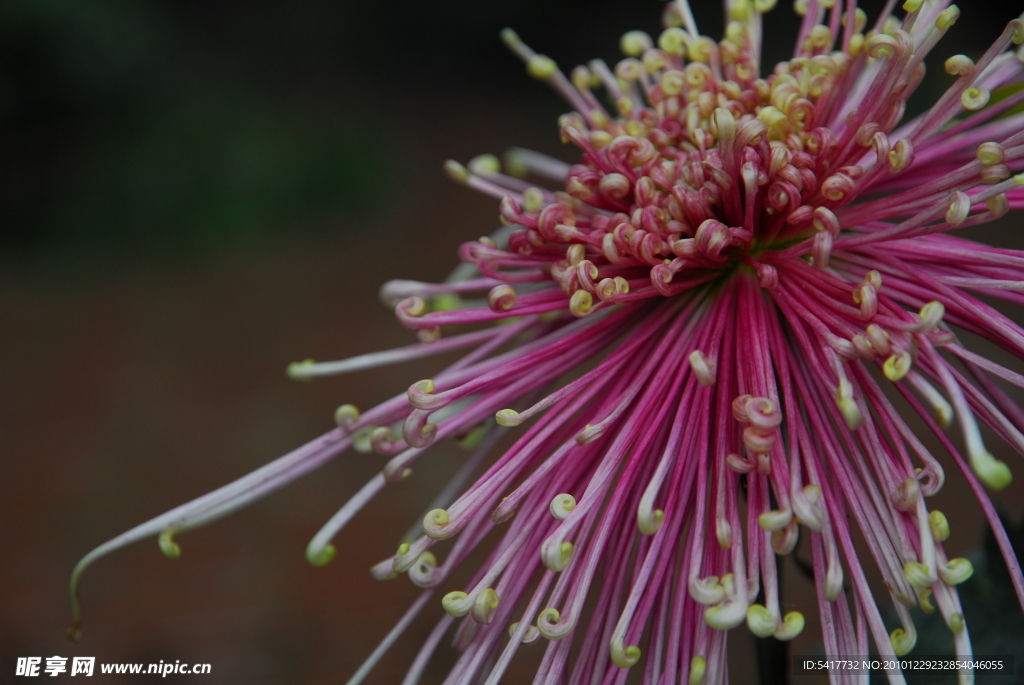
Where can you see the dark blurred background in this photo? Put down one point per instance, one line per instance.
(194, 194)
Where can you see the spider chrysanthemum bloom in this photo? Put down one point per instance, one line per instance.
(680, 331)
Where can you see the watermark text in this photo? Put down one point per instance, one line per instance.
(35, 666)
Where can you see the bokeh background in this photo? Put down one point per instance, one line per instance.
(194, 194)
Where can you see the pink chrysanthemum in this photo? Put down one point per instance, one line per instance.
(690, 340)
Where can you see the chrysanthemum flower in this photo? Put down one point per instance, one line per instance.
(699, 336)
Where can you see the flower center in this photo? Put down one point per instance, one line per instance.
(706, 167)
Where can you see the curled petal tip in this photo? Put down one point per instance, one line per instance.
(457, 172)
(947, 18)
(924, 598)
(959, 65)
(541, 67)
(508, 417)
(624, 657)
(784, 540)
(531, 635)
(703, 367)
(346, 415)
(502, 298)
(168, 546)
(897, 366)
(903, 640)
(995, 474)
(649, 521)
(557, 555)
(956, 571)
(485, 605)
(776, 519)
(957, 623)
(635, 43)
(907, 494)
(553, 625)
(728, 614)
(707, 590)
(581, 303)
(320, 556)
(457, 603)
(792, 625)
(510, 38)
(299, 371)
(485, 164)
(435, 523)
(361, 440)
(939, 525)
(562, 505)
(918, 575)
(590, 433)
(698, 667)
(760, 621)
(1018, 31)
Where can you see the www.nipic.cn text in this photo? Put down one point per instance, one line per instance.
(32, 666)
